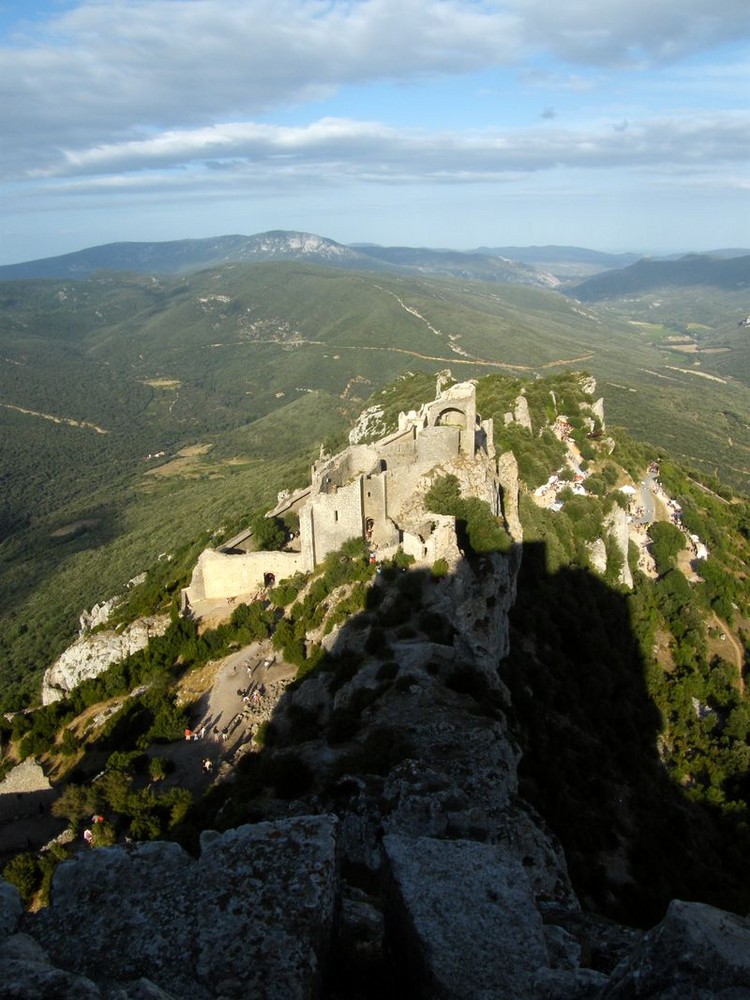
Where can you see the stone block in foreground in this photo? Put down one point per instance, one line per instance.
(696, 952)
(253, 916)
(462, 915)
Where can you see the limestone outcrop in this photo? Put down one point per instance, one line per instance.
(266, 911)
(618, 526)
(92, 654)
(252, 916)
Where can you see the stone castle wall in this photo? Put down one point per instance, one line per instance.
(218, 575)
(335, 518)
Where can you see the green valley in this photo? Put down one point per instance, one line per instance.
(106, 382)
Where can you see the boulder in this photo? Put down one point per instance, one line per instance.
(28, 975)
(697, 952)
(253, 916)
(11, 909)
(575, 984)
(462, 918)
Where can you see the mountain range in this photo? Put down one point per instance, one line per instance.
(544, 266)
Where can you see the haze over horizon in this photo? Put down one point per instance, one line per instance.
(442, 123)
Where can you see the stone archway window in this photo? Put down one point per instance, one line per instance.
(451, 417)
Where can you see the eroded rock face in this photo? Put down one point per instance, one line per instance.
(91, 655)
(617, 524)
(253, 916)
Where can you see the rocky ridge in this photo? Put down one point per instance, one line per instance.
(409, 864)
(400, 856)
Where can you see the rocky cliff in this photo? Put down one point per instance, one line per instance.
(92, 653)
(378, 844)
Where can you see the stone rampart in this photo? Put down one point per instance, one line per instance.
(374, 491)
(438, 543)
(218, 575)
(436, 445)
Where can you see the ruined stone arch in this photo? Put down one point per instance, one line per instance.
(451, 416)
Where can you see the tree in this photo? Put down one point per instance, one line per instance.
(157, 768)
(74, 804)
(666, 542)
(444, 496)
(102, 834)
(269, 533)
(23, 872)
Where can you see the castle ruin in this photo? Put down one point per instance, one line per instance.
(375, 491)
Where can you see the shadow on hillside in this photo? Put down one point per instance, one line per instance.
(25, 821)
(34, 554)
(580, 710)
(588, 729)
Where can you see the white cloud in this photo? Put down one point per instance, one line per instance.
(106, 72)
(613, 32)
(124, 65)
(332, 149)
(201, 99)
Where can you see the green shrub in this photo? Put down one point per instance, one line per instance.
(158, 768)
(440, 569)
(269, 533)
(667, 541)
(24, 873)
(265, 734)
(283, 594)
(130, 761)
(474, 518)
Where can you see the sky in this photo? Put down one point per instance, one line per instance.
(610, 124)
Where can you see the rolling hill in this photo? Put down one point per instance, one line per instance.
(732, 274)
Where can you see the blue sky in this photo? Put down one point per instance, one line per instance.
(612, 124)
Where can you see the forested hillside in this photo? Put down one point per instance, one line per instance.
(126, 400)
